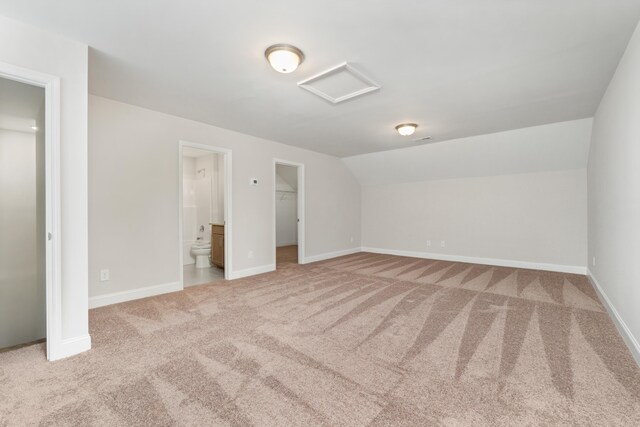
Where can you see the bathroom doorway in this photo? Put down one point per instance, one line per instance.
(29, 212)
(204, 213)
(289, 213)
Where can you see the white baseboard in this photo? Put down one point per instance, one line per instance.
(239, 274)
(329, 255)
(149, 291)
(71, 346)
(486, 261)
(624, 330)
(279, 245)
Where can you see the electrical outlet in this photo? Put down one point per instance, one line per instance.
(593, 261)
(250, 255)
(351, 239)
(104, 275)
(428, 243)
(443, 243)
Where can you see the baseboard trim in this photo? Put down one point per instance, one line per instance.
(622, 327)
(239, 274)
(279, 245)
(486, 261)
(329, 255)
(133, 294)
(71, 346)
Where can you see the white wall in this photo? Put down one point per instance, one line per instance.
(189, 211)
(535, 218)
(22, 292)
(202, 199)
(132, 209)
(510, 198)
(614, 194)
(286, 209)
(29, 47)
(213, 198)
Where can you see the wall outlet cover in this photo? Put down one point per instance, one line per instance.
(104, 275)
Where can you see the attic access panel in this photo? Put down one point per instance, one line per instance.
(339, 83)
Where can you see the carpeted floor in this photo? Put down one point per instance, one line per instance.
(360, 340)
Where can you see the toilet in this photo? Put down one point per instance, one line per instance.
(201, 252)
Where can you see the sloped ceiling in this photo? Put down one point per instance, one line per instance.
(288, 176)
(558, 146)
(457, 68)
(20, 104)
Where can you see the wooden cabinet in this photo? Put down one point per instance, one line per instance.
(217, 245)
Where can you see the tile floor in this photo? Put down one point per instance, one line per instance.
(197, 276)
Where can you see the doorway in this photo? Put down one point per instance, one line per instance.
(204, 213)
(288, 213)
(23, 214)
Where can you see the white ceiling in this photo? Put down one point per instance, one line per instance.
(20, 105)
(457, 68)
(544, 148)
(289, 175)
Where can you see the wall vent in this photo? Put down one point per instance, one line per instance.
(339, 84)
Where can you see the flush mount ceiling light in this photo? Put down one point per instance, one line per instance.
(406, 129)
(284, 58)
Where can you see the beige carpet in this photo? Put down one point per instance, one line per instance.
(360, 340)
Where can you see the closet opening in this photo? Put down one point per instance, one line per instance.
(29, 211)
(289, 213)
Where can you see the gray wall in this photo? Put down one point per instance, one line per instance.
(537, 218)
(614, 192)
(22, 285)
(133, 197)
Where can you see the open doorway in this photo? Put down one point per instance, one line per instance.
(289, 213)
(23, 215)
(204, 212)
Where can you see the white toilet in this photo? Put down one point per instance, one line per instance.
(201, 252)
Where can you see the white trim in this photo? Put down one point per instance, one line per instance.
(228, 223)
(623, 329)
(301, 208)
(51, 85)
(286, 244)
(307, 84)
(252, 271)
(485, 261)
(72, 346)
(329, 255)
(133, 294)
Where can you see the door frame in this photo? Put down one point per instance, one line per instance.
(300, 206)
(228, 226)
(53, 248)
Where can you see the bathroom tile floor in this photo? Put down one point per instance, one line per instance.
(197, 276)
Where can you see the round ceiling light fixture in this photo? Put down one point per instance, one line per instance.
(284, 58)
(406, 129)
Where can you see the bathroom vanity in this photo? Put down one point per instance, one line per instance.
(217, 244)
